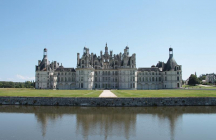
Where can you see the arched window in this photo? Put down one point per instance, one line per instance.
(83, 61)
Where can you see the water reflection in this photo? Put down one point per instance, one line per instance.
(107, 121)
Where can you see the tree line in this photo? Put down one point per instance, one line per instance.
(193, 79)
(26, 84)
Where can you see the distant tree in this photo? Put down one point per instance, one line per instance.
(193, 80)
(183, 82)
(202, 77)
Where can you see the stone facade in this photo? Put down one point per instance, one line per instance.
(210, 78)
(108, 71)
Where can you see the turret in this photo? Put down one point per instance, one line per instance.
(101, 54)
(92, 59)
(45, 52)
(78, 57)
(106, 49)
(170, 52)
(111, 52)
(171, 63)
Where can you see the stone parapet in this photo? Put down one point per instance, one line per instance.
(108, 102)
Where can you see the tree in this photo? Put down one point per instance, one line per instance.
(202, 77)
(193, 80)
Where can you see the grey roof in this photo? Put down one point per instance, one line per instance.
(65, 69)
(149, 69)
(42, 64)
(171, 63)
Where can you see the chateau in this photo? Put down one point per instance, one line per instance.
(108, 71)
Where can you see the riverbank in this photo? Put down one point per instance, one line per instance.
(109, 102)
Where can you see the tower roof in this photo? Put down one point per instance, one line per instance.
(171, 63)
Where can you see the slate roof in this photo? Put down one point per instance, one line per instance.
(65, 69)
(149, 69)
(171, 63)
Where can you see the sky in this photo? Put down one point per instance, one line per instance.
(148, 27)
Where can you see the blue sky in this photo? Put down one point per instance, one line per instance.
(149, 27)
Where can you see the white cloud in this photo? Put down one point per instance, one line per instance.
(25, 77)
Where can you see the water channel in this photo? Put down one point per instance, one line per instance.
(107, 123)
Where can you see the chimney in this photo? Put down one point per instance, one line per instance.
(78, 57)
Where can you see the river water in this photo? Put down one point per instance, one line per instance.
(107, 123)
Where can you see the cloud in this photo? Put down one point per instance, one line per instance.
(24, 77)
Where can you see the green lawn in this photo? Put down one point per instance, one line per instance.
(199, 87)
(165, 93)
(48, 93)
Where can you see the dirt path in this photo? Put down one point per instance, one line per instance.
(107, 93)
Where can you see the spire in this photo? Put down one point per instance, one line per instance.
(106, 49)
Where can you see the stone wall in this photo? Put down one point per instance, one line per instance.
(109, 102)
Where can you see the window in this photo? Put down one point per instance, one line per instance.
(177, 78)
(165, 78)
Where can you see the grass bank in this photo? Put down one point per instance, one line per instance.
(48, 93)
(165, 93)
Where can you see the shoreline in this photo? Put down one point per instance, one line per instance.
(109, 102)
